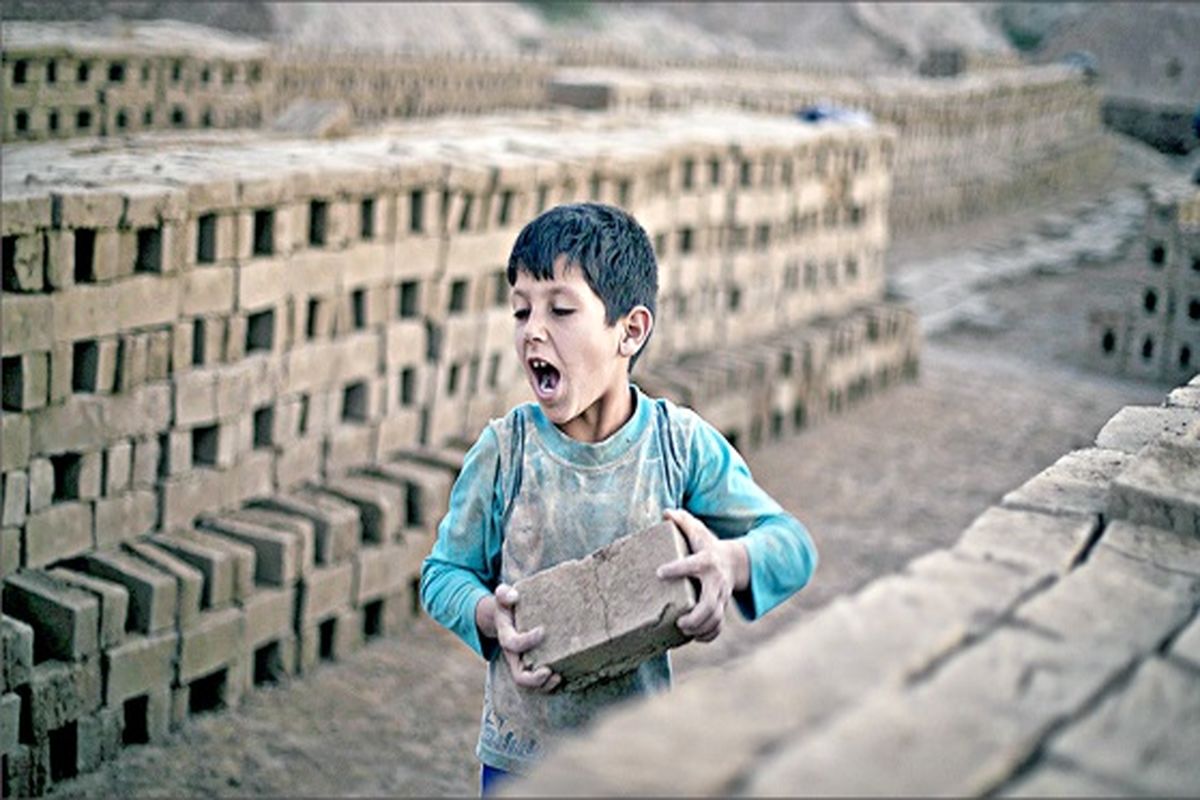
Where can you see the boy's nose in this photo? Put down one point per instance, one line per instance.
(535, 329)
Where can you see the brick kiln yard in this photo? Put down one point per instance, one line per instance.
(1003, 392)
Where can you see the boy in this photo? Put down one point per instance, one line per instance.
(592, 460)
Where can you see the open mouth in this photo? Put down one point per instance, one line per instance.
(546, 377)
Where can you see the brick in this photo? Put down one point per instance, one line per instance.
(146, 456)
(1148, 545)
(118, 468)
(1034, 541)
(298, 462)
(1158, 710)
(215, 565)
(237, 560)
(15, 489)
(17, 651)
(82, 208)
(125, 517)
(1185, 397)
(66, 620)
(158, 355)
(14, 442)
(1161, 487)
(90, 475)
(62, 364)
(26, 323)
(41, 484)
(141, 665)
(10, 720)
(326, 591)
(377, 573)
(1187, 644)
(187, 496)
(99, 738)
(189, 580)
(62, 692)
(153, 595)
(113, 599)
(300, 530)
(346, 639)
(1075, 484)
(336, 522)
(277, 554)
(25, 273)
(427, 489)
(1050, 778)
(380, 503)
(28, 387)
(195, 398)
(269, 616)
(61, 531)
(60, 259)
(586, 641)
(10, 551)
(1133, 427)
(214, 641)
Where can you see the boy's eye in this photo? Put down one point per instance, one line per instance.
(563, 312)
(521, 313)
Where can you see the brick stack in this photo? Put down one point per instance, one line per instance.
(239, 374)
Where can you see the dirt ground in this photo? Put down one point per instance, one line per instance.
(902, 473)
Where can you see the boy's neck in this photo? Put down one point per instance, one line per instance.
(603, 418)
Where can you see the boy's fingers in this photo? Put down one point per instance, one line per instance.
(694, 565)
(506, 595)
(515, 642)
(697, 532)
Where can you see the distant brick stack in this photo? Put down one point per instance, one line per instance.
(1155, 334)
(239, 373)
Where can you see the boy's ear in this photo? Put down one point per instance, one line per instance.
(636, 327)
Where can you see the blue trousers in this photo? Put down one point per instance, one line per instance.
(490, 778)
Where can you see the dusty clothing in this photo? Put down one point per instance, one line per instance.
(529, 497)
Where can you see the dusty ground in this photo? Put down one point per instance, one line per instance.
(898, 475)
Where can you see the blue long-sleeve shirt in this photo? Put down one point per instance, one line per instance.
(529, 497)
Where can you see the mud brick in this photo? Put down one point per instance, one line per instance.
(189, 580)
(176, 447)
(113, 599)
(27, 384)
(118, 468)
(125, 517)
(377, 573)
(16, 652)
(59, 532)
(235, 339)
(65, 620)
(131, 361)
(214, 564)
(195, 396)
(91, 470)
(325, 591)
(277, 554)
(153, 595)
(24, 273)
(585, 640)
(380, 503)
(182, 353)
(26, 323)
(146, 456)
(10, 720)
(336, 523)
(60, 259)
(15, 489)
(270, 615)
(1161, 487)
(158, 355)
(41, 484)
(331, 638)
(348, 446)
(242, 558)
(300, 529)
(14, 442)
(28, 771)
(99, 738)
(215, 640)
(187, 496)
(139, 666)
(10, 551)
(1133, 427)
(62, 365)
(84, 208)
(298, 462)
(61, 692)
(427, 489)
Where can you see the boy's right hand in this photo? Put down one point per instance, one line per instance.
(494, 616)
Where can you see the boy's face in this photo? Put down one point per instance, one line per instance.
(571, 357)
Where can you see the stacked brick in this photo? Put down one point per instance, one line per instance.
(239, 374)
(965, 145)
(1155, 334)
(1053, 650)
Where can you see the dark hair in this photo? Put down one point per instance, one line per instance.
(606, 243)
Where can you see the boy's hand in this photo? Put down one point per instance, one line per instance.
(721, 565)
(494, 616)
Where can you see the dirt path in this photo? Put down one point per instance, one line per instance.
(898, 475)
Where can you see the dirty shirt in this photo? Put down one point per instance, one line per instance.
(529, 497)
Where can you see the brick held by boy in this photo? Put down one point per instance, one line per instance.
(607, 612)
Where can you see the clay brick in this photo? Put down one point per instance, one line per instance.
(336, 522)
(10, 551)
(143, 664)
(10, 720)
(158, 355)
(214, 564)
(125, 517)
(16, 652)
(153, 595)
(215, 640)
(1075, 484)
(98, 738)
(14, 442)
(269, 616)
(299, 529)
(1161, 487)
(1032, 540)
(66, 620)
(585, 640)
(26, 323)
(14, 487)
(61, 692)
(113, 599)
(189, 580)
(41, 484)
(118, 468)
(427, 489)
(62, 364)
(61, 531)
(146, 456)
(381, 505)
(377, 573)
(27, 386)
(1133, 427)
(25, 273)
(277, 553)
(326, 591)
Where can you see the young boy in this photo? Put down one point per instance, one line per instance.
(592, 460)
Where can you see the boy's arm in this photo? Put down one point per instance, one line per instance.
(721, 493)
(464, 564)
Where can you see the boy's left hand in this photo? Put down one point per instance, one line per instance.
(721, 565)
